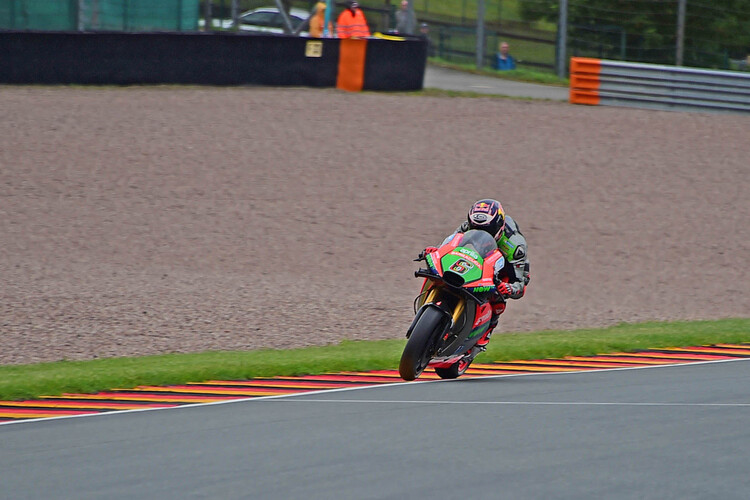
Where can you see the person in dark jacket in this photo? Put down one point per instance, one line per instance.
(503, 60)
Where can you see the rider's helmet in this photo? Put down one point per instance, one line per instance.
(487, 215)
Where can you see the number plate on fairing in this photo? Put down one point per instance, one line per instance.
(464, 264)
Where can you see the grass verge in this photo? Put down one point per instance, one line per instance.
(520, 75)
(30, 381)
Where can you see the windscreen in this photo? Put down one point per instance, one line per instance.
(481, 241)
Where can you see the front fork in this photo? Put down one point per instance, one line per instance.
(452, 305)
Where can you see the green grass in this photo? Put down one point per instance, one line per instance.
(29, 381)
(470, 94)
(496, 11)
(521, 75)
(532, 51)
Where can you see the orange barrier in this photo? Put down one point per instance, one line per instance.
(585, 65)
(351, 74)
(584, 80)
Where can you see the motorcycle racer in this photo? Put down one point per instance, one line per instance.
(511, 276)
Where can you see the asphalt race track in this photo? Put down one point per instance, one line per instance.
(447, 79)
(665, 432)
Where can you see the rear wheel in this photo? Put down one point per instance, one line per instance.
(420, 346)
(456, 369)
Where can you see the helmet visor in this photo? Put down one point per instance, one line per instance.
(487, 217)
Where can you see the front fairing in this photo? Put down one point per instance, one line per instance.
(472, 255)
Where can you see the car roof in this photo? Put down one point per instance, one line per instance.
(297, 12)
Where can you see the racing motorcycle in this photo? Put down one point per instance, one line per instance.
(452, 311)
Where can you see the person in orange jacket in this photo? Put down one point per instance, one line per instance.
(318, 21)
(351, 22)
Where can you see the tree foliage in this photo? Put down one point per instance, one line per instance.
(646, 30)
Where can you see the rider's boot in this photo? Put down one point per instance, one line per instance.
(482, 342)
(497, 310)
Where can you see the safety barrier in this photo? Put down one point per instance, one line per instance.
(672, 88)
(211, 59)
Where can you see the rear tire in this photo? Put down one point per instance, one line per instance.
(421, 344)
(456, 369)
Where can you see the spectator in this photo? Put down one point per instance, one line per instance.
(424, 32)
(504, 60)
(318, 20)
(406, 21)
(351, 22)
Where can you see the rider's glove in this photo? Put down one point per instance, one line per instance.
(504, 289)
(426, 251)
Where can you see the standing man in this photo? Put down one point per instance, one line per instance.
(351, 22)
(504, 60)
(406, 21)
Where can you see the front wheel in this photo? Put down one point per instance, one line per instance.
(420, 346)
(456, 369)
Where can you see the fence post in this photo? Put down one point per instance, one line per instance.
(441, 42)
(73, 14)
(235, 14)
(207, 16)
(480, 34)
(562, 38)
(680, 31)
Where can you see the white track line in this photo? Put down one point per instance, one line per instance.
(514, 403)
(328, 391)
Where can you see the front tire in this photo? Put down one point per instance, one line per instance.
(420, 346)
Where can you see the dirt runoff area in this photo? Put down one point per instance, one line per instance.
(167, 219)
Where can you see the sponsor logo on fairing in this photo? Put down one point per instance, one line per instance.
(430, 262)
(484, 317)
(466, 255)
(469, 253)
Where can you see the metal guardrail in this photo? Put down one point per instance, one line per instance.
(651, 86)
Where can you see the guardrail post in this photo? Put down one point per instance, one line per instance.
(562, 39)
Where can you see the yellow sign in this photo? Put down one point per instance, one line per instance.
(314, 48)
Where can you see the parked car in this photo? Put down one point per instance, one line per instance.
(269, 20)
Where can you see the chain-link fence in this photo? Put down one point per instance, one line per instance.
(690, 32)
(99, 15)
(698, 33)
